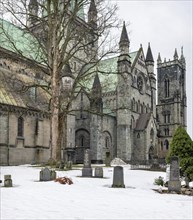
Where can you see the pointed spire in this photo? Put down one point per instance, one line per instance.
(92, 6)
(96, 83)
(124, 36)
(124, 41)
(159, 60)
(149, 56)
(175, 54)
(182, 55)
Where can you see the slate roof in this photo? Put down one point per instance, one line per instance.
(142, 121)
(124, 35)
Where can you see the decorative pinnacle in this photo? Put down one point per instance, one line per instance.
(159, 60)
(124, 36)
(175, 54)
(149, 56)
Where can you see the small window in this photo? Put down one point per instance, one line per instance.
(138, 135)
(20, 126)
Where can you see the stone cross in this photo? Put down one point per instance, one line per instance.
(118, 177)
(99, 172)
(174, 177)
(8, 181)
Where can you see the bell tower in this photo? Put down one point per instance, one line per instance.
(172, 104)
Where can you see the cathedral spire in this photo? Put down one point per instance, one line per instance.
(92, 15)
(159, 60)
(92, 6)
(149, 56)
(175, 54)
(124, 42)
(32, 12)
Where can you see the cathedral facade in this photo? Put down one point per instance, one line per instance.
(124, 120)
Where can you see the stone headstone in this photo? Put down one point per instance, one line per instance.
(155, 163)
(47, 175)
(118, 177)
(61, 167)
(69, 165)
(99, 172)
(8, 181)
(87, 170)
(108, 159)
(174, 178)
(87, 160)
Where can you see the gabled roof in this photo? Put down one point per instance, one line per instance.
(142, 121)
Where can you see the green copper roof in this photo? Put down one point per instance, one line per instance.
(17, 40)
(107, 72)
(80, 12)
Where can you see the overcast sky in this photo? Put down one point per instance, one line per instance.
(166, 25)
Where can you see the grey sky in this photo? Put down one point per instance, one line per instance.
(166, 25)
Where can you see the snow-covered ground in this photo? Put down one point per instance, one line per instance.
(89, 198)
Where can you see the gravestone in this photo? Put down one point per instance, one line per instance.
(61, 167)
(8, 181)
(155, 163)
(118, 177)
(87, 170)
(47, 175)
(69, 165)
(99, 172)
(174, 177)
(108, 159)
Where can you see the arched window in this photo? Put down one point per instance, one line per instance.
(166, 87)
(166, 144)
(152, 135)
(20, 127)
(81, 141)
(107, 142)
(141, 109)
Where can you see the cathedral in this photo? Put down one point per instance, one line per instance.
(133, 117)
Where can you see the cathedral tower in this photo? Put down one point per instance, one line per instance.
(171, 108)
(150, 69)
(123, 101)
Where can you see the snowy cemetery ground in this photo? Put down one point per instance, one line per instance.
(89, 198)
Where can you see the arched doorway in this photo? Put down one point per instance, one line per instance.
(82, 142)
(107, 146)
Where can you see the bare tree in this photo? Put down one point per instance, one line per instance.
(61, 43)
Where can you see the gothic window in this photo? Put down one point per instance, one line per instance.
(152, 135)
(107, 142)
(166, 144)
(166, 87)
(138, 135)
(140, 83)
(166, 131)
(20, 127)
(36, 126)
(81, 141)
(141, 108)
(136, 107)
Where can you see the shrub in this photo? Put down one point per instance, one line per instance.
(159, 181)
